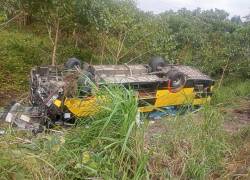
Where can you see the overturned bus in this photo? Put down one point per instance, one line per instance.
(157, 85)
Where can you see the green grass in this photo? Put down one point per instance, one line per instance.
(230, 91)
(109, 145)
(196, 146)
(192, 147)
(18, 53)
(21, 50)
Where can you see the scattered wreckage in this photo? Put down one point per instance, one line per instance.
(158, 85)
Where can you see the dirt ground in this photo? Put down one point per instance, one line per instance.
(237, 117)
(238, 166)
(7, 98)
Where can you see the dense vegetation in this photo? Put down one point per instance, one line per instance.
(116, 31)
(111, 145)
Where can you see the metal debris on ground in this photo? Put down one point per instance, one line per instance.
(25, 118)
(2, 132)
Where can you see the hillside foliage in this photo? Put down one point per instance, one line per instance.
(116, 31)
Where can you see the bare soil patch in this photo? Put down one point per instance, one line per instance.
(239, 165)
(156, 128)
(238, 118)
(7, 97)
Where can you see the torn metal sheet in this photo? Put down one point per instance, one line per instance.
(25, 118)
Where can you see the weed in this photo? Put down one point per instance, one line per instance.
(109, 145)
(193, 146)
(227, 94)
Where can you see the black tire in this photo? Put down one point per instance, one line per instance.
(156, 63)
(72, 63)
(84, 85)
(177, 79)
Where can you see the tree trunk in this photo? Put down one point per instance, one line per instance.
(75, 37)
(223, 74)
(103, 47)
(120, 47)
(55, 44)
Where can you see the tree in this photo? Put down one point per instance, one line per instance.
(57, 14)
(116, 31)
(236, 20)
